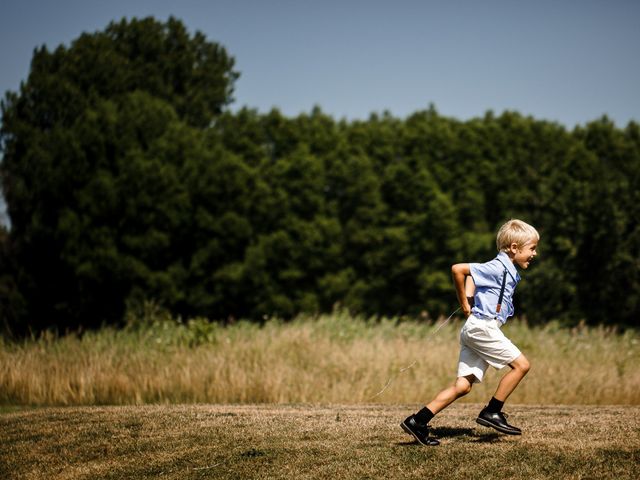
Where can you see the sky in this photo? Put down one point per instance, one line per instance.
(567, 61)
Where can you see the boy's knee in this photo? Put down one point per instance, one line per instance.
(523, 365)
(463, 386)
(465, 389)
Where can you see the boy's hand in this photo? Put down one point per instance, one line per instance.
(459, 272)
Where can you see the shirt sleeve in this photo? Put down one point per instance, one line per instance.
(485, 275)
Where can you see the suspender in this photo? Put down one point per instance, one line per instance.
(504, 282)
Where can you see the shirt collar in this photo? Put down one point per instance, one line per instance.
(504, 259)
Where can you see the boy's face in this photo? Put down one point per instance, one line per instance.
(522, 256)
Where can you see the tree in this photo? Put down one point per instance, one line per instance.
(12, 305)
(127, 180)
(609, 288)
(94, 185)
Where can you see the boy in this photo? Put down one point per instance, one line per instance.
(481, 341)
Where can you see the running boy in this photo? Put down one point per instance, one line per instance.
(482, 343)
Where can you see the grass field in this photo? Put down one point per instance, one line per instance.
(331, 359)
(314, 442)
(302, 399)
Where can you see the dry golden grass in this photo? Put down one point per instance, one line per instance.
(314, 442)
(330, 359)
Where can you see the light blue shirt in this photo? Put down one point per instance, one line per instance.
(488, 281)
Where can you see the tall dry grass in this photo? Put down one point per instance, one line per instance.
(328, 359)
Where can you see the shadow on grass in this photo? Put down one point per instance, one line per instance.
(473, 434)
(470, 433)
(443, 432)
(16, 408)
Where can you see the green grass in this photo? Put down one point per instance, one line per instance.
(315, 441)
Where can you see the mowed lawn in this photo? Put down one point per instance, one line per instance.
(315, 441)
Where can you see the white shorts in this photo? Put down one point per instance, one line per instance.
(482, 343)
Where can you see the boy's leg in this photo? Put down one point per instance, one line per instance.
(418, 424)
(519, 368)
(471, 368)
(491, 415)
(446, 397)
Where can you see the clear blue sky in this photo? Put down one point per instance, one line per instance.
(569, 61)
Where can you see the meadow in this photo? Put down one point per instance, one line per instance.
(314, 442)
(327, 359)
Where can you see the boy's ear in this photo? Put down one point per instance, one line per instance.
(513, 248)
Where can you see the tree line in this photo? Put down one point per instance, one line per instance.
(128, 179)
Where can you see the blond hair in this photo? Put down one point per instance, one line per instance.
(515, 231)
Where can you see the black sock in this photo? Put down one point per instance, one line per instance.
(424, 416)
(494, 405)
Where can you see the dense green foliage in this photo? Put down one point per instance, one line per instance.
(127, 180)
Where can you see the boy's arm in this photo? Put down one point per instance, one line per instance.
(459, 272)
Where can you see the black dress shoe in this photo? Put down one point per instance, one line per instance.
(497, 421)
(419, 432)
